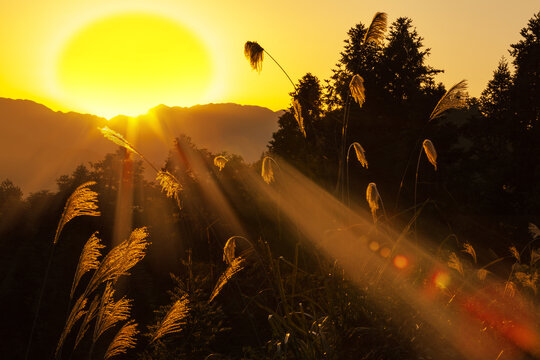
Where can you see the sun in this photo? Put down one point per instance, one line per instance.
(129, 63)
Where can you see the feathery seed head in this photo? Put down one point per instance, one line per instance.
(376, 30)
(431, 153)
(123, 340)
(169, 184)
(358, 91)
(468, 249)
(360, 154)
(515, 253)
(373, 197)
(455, 263)
(82, 201)
(90, 315)
(220, 161)
(173, 320)
(110, 312)
(117, 139)
(298, 116)
(235, 266)
(254, 53)
(267, 171)
(76, 313)
(87, 261)
(229, 250)
(452, 99)
(120, 259)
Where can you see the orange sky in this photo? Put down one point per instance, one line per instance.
(467, 39)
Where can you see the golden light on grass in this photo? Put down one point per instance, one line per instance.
(110, 312)
(173, 320)
(123, 340)
(373, 198)
(236, 265)
(455, 263)
(87, 261)
(128, 63)
(298, 116)
(220, 161)
(120, 259)
(255, 54)
(454, 98)
(360, 154)
(358, 92)
(76, 313)
(82, 201)
(90, 315)
(170, 185)
(431, 153)
(377, 28)
(267, 171)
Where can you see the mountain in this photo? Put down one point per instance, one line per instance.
(40, 144)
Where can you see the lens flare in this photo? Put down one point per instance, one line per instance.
(401, 262)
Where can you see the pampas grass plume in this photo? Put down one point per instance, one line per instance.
(87, 261)
(376, 30)
(358, 90)
(373, 197)
(360, 154)
(267, 171)
(173, 320)
(254, 53)
(123, 340)
(220, 161)
(431, 153)
(298, 116)
(236, 265)
(452, 99)
(82, 201)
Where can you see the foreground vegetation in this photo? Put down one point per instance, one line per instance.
(439, 262)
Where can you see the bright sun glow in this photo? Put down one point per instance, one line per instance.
(129, 63)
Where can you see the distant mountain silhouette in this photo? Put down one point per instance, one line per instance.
(39, 144)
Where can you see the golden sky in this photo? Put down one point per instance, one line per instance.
(69, 54)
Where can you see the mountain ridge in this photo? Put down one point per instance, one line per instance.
(42, 144)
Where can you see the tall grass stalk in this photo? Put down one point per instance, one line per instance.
(82, 201)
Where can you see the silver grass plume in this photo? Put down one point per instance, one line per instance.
(254, 53)
(298, 116)
(431, 153)
(515, 253)
(358, 90)
(76, 313)
(110, 312)
(229, 250)
(90, 315)
(376, 30)
(373, 198)
(455, 263)
(527, 280)
(123, 340)
(173, 320)
(170, 185)
(267, 171)
(82, 201)
(87, 261)
(360, 154)
(120, 259)
(236, 265)
(534, 231)
(220, 161)
(468, 249)
(452, 99)
(118, 139)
